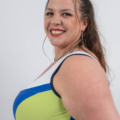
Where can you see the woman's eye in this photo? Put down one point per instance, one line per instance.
(49, 14)
(66, 14)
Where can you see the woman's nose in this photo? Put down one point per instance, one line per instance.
(55, 21)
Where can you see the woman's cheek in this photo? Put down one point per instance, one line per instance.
(70, 23)
(46, 23)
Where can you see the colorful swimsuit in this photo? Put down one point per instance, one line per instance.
(40, 101)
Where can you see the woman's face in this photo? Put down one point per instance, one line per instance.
(61, 24)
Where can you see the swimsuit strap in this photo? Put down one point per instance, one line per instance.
(61, 61)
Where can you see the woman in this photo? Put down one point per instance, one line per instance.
(74, 86)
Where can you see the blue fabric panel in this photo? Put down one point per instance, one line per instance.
(72, 118)
(51, 81)
(28, 93)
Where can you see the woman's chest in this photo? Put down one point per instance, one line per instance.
(38, 101)
(44, 105)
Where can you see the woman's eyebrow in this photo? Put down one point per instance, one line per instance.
(60, 10)
(67, 10)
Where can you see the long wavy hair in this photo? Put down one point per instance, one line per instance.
(91, 34)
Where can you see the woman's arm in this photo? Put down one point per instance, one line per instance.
(83, 87)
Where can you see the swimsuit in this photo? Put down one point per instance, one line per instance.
(40, 101)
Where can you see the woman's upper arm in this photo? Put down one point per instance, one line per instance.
(84, 90)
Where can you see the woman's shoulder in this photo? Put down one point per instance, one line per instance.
(81, 58)
(78, 70)
(82, 63)
(83, 86)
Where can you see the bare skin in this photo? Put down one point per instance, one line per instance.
(82, 84)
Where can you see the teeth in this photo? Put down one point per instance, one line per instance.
(57, 32)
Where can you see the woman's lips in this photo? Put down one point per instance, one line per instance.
(56, 32)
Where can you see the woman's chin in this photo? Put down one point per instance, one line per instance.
(56, 44)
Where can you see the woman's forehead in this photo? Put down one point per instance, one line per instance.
(61, 4)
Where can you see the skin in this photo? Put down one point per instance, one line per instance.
(56, 18)
(81, 81)
(83, 87)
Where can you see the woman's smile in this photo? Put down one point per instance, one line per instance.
(56, 32)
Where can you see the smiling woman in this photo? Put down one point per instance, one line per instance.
(74, 86)
(61, 18)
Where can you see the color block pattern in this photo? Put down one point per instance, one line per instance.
(42, 106)
(40, 101)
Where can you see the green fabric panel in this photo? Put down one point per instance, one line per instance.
(42, 106)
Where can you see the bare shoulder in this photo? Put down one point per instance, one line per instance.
(83, 87)
(82, 67)
(82, 73)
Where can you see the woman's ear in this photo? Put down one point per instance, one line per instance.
(84, 24)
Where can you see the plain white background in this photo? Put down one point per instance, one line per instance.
(21, 37)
